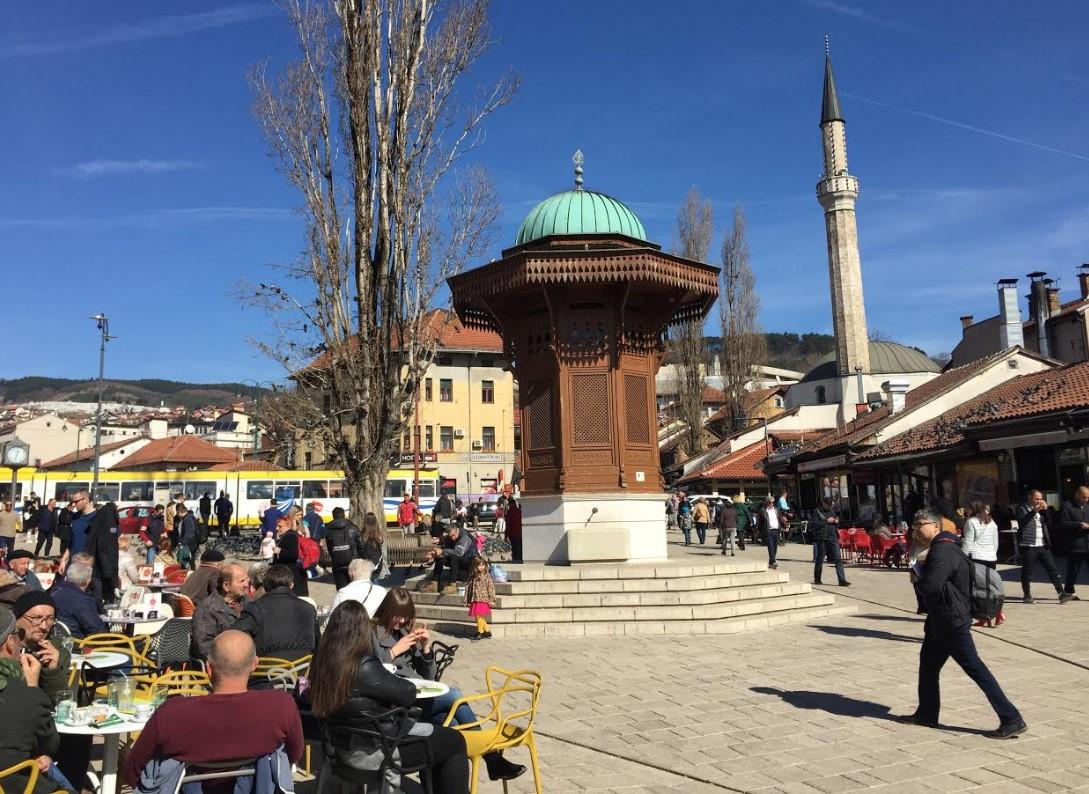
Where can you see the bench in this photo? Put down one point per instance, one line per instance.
(407, 550)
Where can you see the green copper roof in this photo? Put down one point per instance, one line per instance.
(580, 212)
(886, 358)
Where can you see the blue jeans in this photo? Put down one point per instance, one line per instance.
(773, 545)
(7, 543)
(440, 707)
(936, 650)
(54, 774)
(701, 532)
(831, 549)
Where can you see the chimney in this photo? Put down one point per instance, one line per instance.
(897, 391)
(1010, 331)
(1083, 280)
(1038, 310)
(1054, 306)
(966, 321)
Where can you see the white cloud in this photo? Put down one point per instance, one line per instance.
(152, 218)
(91, 169)
(159, 28)
(860, 15)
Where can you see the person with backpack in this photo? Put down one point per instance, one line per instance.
(188, 534)
(343, 541)
(287, 541)
(945, 580)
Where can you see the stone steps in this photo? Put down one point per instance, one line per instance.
(661, 598)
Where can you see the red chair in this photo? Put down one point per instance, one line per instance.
(862, 546)
(845, 547)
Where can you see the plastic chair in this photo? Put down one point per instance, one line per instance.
(277, 666)
(30, 766)
(502, 728)
(862, 546)
(845, 547)
(383, 733)
(184, 683)
(170, 645)
(183, 606)
(219, 770)
(444, 657)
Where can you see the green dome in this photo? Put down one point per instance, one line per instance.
(580, 212)
(886, 358)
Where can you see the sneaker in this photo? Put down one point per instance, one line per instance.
(1066, 598)
(773, 565)
(844, 583)
(487, 635)
(502, 769)
(476, 637)
(1028, 600)
(429, 587)
(1008, 731)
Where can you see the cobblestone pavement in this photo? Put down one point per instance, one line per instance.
(805, 708)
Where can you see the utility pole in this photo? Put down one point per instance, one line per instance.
(104, 329)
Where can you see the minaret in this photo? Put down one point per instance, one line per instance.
(837, 191)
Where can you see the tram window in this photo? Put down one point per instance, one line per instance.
(138, 491)
(337, 489)
(259, 489)
(294, 486)
(427, 489)
(197, 489)
(315, 489)
(396, 489)
(108, 492)
(65, 490)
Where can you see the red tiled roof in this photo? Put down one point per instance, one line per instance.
(739, 465)
(178, 449)
(1025, 396)
(88, 452)
(249, 465)
(713, 395)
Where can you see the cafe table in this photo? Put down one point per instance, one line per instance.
(111, 739)
(100, 660)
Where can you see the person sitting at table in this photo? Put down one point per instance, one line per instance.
(165, 556)
(128, 562)
(207, 729)
(36, 617)
(456, 550)
(27, 730)
(202, 582)
(220, 610)
(20, 563)
(361, 588)
(75, 606)
(282, 624)
(347, 681)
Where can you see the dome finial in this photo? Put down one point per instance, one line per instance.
(578, 159)
(827, 46)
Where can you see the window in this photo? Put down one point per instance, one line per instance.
(406, 442)
(487, 362)
(308, 460)
(487, 391)
(444, 361)
(488, 437)
(446, 390)
(139, 491)
(446, 438)
(427, 489)
(427, 389)
(65, 490)
(430, 438)
(288, 490)
(196, 489)
(314, 489)
(337, 489)
(821, 395)
(107, 492)
(396, 489)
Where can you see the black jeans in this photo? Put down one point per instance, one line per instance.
(451, 764)
(340, 577)
(224, 523)
(1074, 560)
(936, 650)
(45, 539)
(773, 545)
(830, 548)
(459, 567)
(1030, 555)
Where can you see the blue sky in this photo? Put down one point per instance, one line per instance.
(136, 182)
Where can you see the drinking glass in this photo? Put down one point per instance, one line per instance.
(158, 695)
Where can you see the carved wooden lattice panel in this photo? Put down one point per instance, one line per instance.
(590, 408)
(540, 416)
(636, 409)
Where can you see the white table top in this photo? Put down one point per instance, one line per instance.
(101, 660)
(131, 723)
(437, 687)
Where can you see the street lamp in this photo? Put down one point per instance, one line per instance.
(257, 385)
(104, 329)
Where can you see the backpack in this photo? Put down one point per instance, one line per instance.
(341, 551)
(309, 553)
(986, 593)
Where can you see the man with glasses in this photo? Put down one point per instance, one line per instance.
(81, 521)
(945, 582)
(9, 527)
(36, 617)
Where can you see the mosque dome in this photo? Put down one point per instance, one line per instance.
(886, 358)
(580, 212)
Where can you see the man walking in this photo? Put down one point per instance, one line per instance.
(406, 515)
(1034, 523)
(344, 544)
(224, 510)
(770, 522)
(205, 507)
(826, 543)
(727, 525)
(701, 516)
(9, 527)
(945, 581)
(47, 527)
(1075, 518)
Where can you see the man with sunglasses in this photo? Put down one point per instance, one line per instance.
(945, 582)
(81, 522)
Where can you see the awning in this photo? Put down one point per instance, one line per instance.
(822, 463)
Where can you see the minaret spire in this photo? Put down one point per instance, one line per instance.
(837, 191)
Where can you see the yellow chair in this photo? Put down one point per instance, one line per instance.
(503, 727)
(142, 670)
(30, 766)
(276, 666)
(185, 683)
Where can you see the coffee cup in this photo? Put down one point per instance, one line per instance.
(81, 717)
(144, 711)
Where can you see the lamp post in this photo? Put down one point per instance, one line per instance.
(104, 330)
(257, 385)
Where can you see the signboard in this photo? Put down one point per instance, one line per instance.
(487, 457)
(425, 457)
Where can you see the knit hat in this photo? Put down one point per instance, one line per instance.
(21, 554)
(7, 624)
(30, 599)
(212, 555)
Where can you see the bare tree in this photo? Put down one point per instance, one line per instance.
(368, 125)
(694, 230)
(744, 345)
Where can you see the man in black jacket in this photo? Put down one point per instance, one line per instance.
(344, 543)
(102, 546)
(47, 527)
(1075, 519)
(281, 624)
(1034, 524)
(945, 581)
(826, 543)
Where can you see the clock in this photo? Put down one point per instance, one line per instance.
(16, 454)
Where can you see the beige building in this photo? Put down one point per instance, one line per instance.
(49, 436)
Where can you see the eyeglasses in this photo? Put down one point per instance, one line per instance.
(40, 620)
(922, 524)
(81, 499)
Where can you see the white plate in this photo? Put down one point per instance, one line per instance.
(390, 668)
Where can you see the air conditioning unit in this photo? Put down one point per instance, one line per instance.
(478, 445)
(459, 432)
